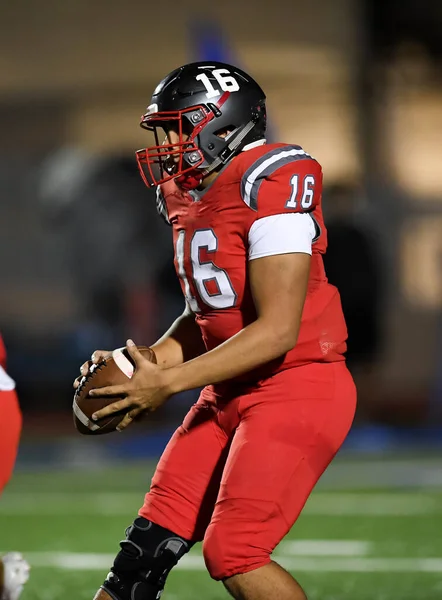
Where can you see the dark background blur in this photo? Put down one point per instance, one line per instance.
(85, 260)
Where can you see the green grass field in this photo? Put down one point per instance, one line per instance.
(348, 545)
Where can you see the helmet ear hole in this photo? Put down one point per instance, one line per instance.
(224, 132)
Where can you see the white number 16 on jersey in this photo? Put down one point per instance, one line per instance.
(306, 190)
(204, 272)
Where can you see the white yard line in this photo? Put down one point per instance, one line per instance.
(360, 504)
(123, 503)
(363, 565)
(324, 548)
(101, 562)
(61, 503)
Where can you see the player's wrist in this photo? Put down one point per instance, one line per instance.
(169, 381)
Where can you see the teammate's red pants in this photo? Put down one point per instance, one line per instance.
(10, 428)
(239, 470)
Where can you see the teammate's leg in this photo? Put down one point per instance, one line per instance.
(289, 432)
(10, 429)
(14, 570)
(14, 573)
(176, 511)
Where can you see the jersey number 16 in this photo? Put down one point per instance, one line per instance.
(204, 272)
(305, 191)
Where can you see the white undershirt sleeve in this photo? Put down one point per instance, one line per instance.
(281, 234)
(6, 383)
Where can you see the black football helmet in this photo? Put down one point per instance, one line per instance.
(200, 101)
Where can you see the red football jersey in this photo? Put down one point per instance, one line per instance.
(211, 242)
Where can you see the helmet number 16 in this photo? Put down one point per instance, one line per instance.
(226, 82)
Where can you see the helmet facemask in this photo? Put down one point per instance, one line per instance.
(165, 160)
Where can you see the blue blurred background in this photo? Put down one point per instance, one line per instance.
(85, 261)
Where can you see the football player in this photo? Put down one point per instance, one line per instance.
(14, 570)
(262, 333)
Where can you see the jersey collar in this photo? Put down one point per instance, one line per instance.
(254, 144)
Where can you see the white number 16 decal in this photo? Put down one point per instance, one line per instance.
(226, 82)
(308, 190)
(204, 271)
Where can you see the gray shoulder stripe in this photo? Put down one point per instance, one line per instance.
(265, 166)
(318, 230)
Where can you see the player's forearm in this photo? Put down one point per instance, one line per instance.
(256, 345)
(181, 342)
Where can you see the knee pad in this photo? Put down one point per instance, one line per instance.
(146, 557)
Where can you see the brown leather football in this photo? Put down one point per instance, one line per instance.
(116, 369)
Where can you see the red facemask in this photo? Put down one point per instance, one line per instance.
(180, 160)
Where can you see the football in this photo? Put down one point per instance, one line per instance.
(113, 370)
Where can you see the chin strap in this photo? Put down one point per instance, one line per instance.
(192, 179)
(231, 149)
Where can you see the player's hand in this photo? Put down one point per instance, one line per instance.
(144, 392)
(96, 357)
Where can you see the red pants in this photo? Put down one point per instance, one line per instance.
(10, 428)
(238, 472)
